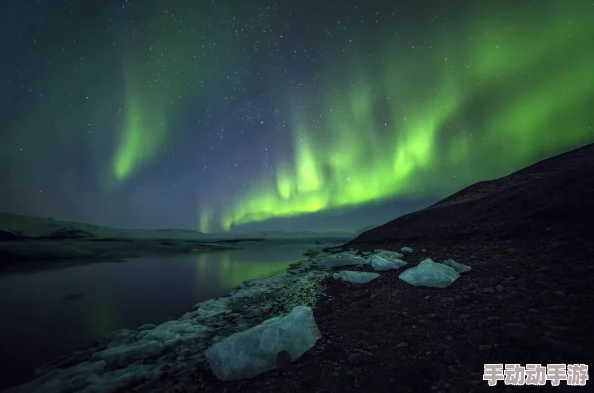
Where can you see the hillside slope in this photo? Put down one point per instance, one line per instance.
(551, 199)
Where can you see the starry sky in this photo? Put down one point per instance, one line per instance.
(281, 115)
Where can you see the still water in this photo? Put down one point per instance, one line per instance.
(44, 314)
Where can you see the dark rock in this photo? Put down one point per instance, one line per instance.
(355, 357)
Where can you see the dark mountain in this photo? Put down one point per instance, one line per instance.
(552, 199)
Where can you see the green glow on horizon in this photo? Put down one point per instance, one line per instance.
(464, 108)
(205, 221)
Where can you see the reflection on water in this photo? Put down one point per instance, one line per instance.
(232, 269)
(100, 317)
(38, 324)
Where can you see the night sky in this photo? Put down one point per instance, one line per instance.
(284, 115)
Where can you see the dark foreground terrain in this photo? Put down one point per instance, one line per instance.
(528, 298)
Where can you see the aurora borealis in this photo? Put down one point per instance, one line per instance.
(211, 115)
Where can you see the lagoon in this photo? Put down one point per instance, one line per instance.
(50, 312)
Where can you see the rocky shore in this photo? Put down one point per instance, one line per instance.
(387, 334)
(374, 335)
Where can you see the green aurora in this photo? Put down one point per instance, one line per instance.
(461, 103)
(472, 106)
(157, 82)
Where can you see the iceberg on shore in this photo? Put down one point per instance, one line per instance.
(343, 259)
(255, 350)
(430, 274)
(387, 260)
(459, 267)
(355, 277)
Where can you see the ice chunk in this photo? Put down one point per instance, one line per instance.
(146, 326)
(135, 355)
(355, 277)
(430, 274)
(458, 267)
(389, 254)
(164, 336)
(379, 264)
(342, 259)
(255, 350)
(119, 337)
(387, 260)
(406, 249)
(129, 353)
(88, 368)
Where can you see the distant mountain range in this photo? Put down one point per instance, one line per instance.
(16, 226)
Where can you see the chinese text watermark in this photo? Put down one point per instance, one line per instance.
(536, 374)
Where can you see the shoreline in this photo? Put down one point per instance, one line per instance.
(150, 350)
(376, 335)
(46, 253)
(388, 335)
